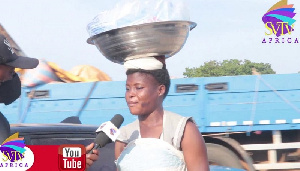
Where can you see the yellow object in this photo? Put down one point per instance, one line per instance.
(90, 73)
(20, 71)
(82, 73)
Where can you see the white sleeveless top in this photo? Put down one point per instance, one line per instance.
(145, 154)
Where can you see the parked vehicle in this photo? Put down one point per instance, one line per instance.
(249, 122)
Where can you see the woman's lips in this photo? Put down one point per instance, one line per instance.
(131, 104)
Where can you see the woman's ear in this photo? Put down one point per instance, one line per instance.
(161, 90)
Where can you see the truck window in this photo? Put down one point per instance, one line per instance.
(183, 88)
(216, 86)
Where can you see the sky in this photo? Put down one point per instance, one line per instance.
(233, 29)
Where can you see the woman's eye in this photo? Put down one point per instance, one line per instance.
(139, 88)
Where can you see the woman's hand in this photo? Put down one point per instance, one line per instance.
(90, 158)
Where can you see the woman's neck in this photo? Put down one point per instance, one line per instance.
(153, 119)
(151, 125)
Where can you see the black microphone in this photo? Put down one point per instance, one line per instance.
(102, 139)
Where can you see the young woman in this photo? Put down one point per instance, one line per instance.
(158, 139)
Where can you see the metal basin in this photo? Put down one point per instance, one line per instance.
(151, 39)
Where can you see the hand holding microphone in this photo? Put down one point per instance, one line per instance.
(107, 131)
(90, 158)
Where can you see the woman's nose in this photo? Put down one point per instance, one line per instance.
(131, 92)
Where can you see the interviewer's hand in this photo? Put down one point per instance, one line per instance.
(90, 158)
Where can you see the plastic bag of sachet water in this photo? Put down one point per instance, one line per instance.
(134, 12)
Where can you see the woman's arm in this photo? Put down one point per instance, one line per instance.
(194, 149)
(119, 147)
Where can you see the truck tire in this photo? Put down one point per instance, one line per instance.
(222, 156)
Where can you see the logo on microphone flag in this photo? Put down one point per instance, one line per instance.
(72, 157)
(14, 155)
(109, 129)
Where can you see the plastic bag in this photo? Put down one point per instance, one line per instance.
(134, 12)
(40, 75)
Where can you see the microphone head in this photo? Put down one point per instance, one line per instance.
(117, 120)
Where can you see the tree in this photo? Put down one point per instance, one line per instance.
(227, 68)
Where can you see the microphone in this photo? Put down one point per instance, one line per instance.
(107, 132)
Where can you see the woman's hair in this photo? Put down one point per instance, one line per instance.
(160, 75)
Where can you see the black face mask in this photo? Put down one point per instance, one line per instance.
(10, 90)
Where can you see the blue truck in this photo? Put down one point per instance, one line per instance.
(250, 122)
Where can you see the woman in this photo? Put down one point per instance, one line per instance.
(146, 87)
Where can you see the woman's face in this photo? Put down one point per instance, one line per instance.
(142, 93)
(6, 72)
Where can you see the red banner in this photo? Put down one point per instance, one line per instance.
(46, 157)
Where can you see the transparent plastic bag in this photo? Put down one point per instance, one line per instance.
(134, 12)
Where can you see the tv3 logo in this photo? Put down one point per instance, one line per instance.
(72, 157)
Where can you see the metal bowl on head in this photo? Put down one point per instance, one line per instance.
(151, 39)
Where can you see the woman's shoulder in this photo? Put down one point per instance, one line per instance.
(129, 132)
(131, 126)
(174, 117)
(174, 128)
